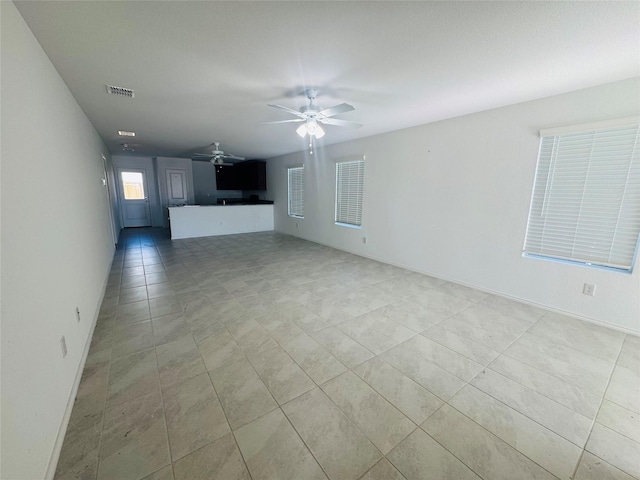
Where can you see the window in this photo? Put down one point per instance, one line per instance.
(133, 185)
(585, 206)
(296, 191)
(349, 183)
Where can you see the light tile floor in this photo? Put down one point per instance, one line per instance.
(263, 356)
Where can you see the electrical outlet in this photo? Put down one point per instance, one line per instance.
(589, 289)
(364, 239)
(77, 313)
(63, 346)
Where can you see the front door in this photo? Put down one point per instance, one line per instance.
(134, 197)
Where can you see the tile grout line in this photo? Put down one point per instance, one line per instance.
(595, 417)
(202, 252)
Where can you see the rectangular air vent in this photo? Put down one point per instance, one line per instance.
(124, 133)
(121, 91)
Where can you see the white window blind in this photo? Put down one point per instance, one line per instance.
(585, 205)
(296, 191)
(349, 185)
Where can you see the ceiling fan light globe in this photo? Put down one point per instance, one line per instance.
(319, 131)
(302, 130)
(312, 126)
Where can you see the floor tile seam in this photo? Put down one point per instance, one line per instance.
(135, 301)
(602, 399)
(410, 377)
(405, 376)
(246, 358)
(172, 460)
(305, 443)
(335, 325)
(116, 358)
(235, 439)
(515, 341)
(454, 352)
(208, 374)
(582, 352)
(422, 359)
(320, 346)
(493, 435)
(637, 413)
(362, 477)
(617, 432)
(608, 462)
(164, 414)
(597, 328)
(460, 335)
(122, 402)
(568, 381)
(575, 470)
(577, 387)
(201, 447)
(527, 416)
(397, 467)
(295, 363)
(582, 390)
(104, 414)
(414, 424)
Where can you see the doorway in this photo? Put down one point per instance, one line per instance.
(105, 183)
(134, 197)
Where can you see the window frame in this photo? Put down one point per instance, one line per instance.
(297, 169)
(359, 193)
(581, 182)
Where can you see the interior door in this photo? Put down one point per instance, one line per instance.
(134, 197)
(177, 192)
(105, 183)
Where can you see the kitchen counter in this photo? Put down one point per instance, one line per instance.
(207, 220)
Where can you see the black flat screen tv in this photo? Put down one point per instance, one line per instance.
(248, 175)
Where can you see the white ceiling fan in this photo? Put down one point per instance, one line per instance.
(217, 156)
(312, 114)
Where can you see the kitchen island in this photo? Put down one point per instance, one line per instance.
(203, 221)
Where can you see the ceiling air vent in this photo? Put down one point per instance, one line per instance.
(121, 91)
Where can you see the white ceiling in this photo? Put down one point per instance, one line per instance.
(205, 71)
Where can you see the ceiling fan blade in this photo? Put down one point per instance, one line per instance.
(340, 123)
(338, 109)
(202, 155)
(205, 158)
(232, 157)
(284, 121)
(287, 109)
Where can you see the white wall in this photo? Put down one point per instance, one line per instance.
(451, 199)
(56, 249)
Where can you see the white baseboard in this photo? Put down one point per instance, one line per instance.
(482, 289)
(62, 430)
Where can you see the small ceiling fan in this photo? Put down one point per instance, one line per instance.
(312, 114)
(217, 156)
